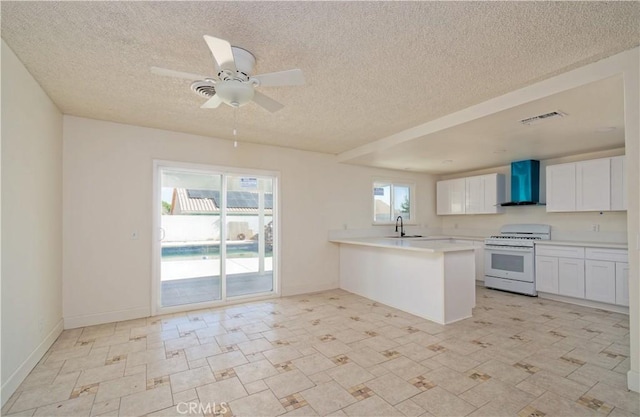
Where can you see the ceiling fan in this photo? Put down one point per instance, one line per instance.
(234, 83)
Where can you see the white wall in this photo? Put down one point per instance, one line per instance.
(564, 226)
(631, 65)
(108, 170)
(31, 222)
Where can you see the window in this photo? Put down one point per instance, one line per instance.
(391, 200)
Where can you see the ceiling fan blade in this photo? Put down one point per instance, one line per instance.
(177, 74)
(267, 102)
(281, 78)
(222, 53)
(212, 103)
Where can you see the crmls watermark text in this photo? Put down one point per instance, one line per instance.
(195, 407)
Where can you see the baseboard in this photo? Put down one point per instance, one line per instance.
(304, 289)
(633, 380)
(585, 303)
(110, 317)
(16, 378)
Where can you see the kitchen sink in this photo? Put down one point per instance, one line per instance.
(404, 237)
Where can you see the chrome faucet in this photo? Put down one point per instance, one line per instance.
(401, 226)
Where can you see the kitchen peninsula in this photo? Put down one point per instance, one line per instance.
(431, 278)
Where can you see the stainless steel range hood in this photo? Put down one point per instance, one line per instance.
(525, 183)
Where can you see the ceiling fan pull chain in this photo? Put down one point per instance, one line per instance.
(235, 119)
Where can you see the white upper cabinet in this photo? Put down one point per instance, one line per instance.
(450, 198)
(484, 194)
(594, 185)
(481, 194)
(474, 195)
(561, 187)
(618, 184)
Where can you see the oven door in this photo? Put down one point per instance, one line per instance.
(509, 262)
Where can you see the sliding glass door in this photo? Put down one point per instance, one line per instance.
(249, 220)
(216, 235)
(190, 233)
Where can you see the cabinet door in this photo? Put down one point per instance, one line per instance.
(600, 281)
(622, 283)
(571, 277)
(561, 187)
(443, 205)
(494, 193)
(450, 196)
(547, 274)
(618, 184)
(593, 185)
(457, 190)
(474, 195)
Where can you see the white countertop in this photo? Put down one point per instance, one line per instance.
(585, 244)
(424, 244)
(474, 238)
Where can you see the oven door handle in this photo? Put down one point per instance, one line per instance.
(508, 248)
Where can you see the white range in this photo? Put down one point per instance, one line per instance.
(510, 257)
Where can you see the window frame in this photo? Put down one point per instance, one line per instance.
(392, 183)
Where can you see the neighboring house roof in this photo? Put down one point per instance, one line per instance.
(382, 207)
(191, 201)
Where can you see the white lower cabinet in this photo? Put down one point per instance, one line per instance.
(547, 274)
(622, 283)
(595, 274)
(600, 281)
(571, 277)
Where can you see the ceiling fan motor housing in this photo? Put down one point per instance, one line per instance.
(245, 64)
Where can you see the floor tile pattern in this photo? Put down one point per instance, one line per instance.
(335, 353)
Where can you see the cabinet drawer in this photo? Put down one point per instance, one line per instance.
(560, 251)
(602, 254)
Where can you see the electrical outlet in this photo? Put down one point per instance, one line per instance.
(595, 227)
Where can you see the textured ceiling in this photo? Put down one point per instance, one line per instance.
(372, 68)
(593, 121)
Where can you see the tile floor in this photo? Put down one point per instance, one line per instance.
(334, 353)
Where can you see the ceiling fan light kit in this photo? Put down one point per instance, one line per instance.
(235, 93)
(234, 84)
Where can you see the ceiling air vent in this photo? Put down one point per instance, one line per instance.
(203, 88)
(542, 117)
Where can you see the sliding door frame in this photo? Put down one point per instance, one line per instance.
(156, 234)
